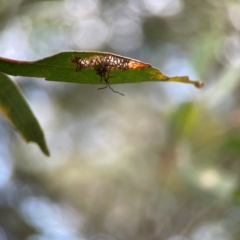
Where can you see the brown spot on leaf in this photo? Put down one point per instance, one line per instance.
(135, 65)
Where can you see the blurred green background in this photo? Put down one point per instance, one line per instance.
(163, 162)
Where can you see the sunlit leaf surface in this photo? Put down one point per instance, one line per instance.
(89, 67)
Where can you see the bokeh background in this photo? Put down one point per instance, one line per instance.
(163, 162)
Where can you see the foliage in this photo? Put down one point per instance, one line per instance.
(16, 109)
(59, 67)
(161, 162)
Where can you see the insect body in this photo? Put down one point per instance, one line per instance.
(102, 66)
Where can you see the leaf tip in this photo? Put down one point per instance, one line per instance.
(44, 149)
(47, 154)
(199, 84)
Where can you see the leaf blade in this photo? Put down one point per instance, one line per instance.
(59, 68)
(15, 108)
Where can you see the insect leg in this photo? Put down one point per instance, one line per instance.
(103, 87)
(108, 84)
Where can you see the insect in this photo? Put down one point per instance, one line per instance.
(102, 66)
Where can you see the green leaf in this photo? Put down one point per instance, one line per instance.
(14, 106)
(62, 67)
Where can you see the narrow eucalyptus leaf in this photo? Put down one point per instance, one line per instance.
(15, 108)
